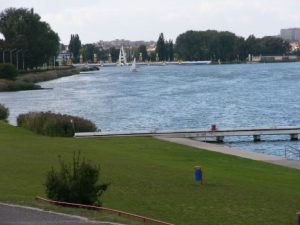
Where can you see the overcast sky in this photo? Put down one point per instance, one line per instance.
(145, 19)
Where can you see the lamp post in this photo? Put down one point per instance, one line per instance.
(11, 51)
(23, 59)
(3, 55)
(17, 54)
(23, 54)
(73, 126)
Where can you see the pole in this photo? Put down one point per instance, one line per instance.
(11, 51)
(23, 60)
(17, 53)
(17, 60)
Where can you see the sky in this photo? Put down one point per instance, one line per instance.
(95, 20)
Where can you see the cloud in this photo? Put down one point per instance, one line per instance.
(144, 19)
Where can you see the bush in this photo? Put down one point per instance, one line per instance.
(8, 85)
(8, 71)
(52, 124)
(77, 182)
(4, 112)
(41, 76)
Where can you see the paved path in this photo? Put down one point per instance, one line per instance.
(20, 215)
(234, 151)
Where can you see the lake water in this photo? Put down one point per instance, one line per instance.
(176, 97)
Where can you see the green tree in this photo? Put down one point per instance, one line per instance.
(143, 49)
(4, 112)
(227, 45)
(189, 45)
(152, 56)
(266, 46)
(74, 46)
(103, 55)
(161, 47)
(210, 44)
(8, 71)
(24, 31)
(88, 51)
(114, 54)
(169, 50)
(251, 45)
(273, 46)
(77, 182)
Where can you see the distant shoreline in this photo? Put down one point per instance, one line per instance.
(28, 81)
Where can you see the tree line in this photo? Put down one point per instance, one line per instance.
(226, 46)
(164, 51)
(30, 42)
(197, 45)
(87, 52)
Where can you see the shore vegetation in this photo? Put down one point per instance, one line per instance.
(4, 112)
(55, 124)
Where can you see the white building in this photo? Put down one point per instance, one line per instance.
(63, 57)
(290, 34)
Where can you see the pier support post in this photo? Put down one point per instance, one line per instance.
(256, 138)
(294, 137)
(220, 138)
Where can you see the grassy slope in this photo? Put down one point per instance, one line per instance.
(155, 179)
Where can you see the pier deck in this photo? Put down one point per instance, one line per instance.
(208, 134)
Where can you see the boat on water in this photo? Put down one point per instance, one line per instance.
(122, 58)
(194, 62)
(133, 67)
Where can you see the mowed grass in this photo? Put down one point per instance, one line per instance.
(155, 179)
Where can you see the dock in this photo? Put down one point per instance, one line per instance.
(213, 134)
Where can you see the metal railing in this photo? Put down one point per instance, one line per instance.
(119, 212)
(291, 150)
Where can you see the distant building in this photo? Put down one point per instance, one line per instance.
(275, 58)
(290, 34)
(63, 57)
(118, 43)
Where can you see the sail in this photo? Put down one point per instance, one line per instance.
(133, 66)
(122, 57)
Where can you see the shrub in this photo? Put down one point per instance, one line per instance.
(77, 182)
(40, 76)
(4, 112)
(53, 124)
(17, 85)
(8, 71)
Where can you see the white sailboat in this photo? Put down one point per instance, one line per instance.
(133, 67)
(122, 57)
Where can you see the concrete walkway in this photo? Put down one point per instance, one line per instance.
(22, 215)
(234, 151)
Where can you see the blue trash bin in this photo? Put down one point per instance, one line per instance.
(198, 174)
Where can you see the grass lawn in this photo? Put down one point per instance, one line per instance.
(155, 179)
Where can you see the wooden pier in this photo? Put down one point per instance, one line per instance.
(206, 134)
